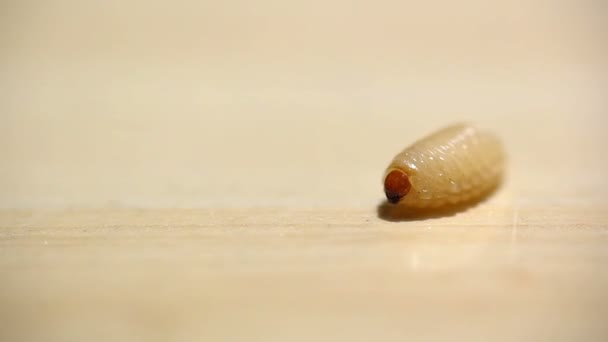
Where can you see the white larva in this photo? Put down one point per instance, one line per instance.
(459, 163)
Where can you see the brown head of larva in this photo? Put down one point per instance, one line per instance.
(396, 186)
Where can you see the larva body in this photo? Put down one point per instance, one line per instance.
(456, 164)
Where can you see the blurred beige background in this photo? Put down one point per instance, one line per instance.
(233, 103)
(211, 170)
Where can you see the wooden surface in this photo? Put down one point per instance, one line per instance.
(212, 171)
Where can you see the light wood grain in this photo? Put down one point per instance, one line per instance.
(211, 171)
(270, 274)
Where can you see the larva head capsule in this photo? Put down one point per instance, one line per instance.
(396, 185)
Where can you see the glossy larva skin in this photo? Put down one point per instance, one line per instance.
(456, 164)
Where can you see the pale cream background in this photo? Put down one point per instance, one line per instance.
(273, 122)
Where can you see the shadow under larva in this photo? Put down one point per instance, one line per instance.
(399, 213)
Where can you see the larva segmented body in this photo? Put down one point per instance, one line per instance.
(456, 164)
